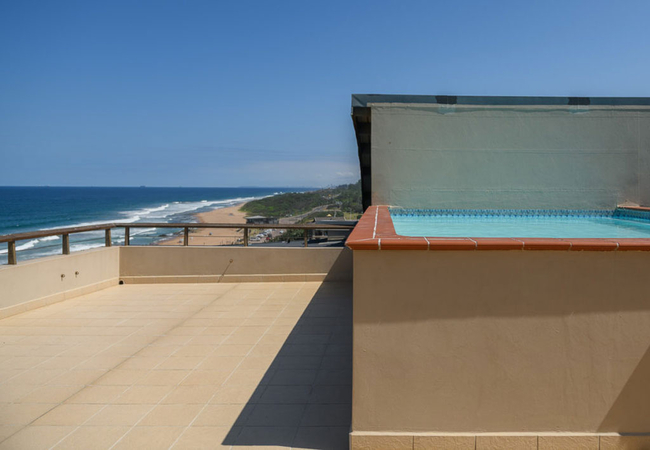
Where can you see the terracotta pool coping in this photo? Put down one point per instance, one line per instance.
(375, 231)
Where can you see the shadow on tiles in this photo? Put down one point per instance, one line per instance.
(304, 398)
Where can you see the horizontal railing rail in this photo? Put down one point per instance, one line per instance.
(54, 232)
(65, 233)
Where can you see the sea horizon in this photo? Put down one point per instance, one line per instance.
(32, 208)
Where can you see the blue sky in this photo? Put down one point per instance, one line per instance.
(210, 93)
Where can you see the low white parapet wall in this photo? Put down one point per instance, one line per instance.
(39, 282)
(158, 264)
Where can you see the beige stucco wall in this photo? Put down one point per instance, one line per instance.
(211, 262)
(501, 341)
(438, 156)
(38, 282)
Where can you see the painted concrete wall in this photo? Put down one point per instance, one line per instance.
(38, 282)
(212, 262)
(498, 341)
(35, 283)
(439, 156)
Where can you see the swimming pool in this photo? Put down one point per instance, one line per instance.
(617, 223)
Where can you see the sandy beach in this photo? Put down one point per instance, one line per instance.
(214, 236)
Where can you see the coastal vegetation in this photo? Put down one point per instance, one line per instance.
(345, 198)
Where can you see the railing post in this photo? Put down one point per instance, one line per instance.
(245, 237)
(186, 236)
(11, 253)
(127, 236)
(107, 238)
(66, 244)
(306, 236)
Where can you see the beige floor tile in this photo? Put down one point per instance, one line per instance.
(195, 350)
(163, 378)
(218, 331)
(143, 395)
(62, 362)
(221, 362)
(257, 362)
(203, 377)
(23, 362)
(199, 394)
(22, 413)
(233, 350)
(242, 339)
(149, 438)
(9, 394)
(273, 338)
(265, 350)
(84, 350)
(120, 415)
(68, 414)
(92, 438)
(35, 438)
(171, 415)
(8, 430)
(50, 394)
(176, 341)
(121, 377)
(7, 374)
(266, 438)
(180, 363)
(35, 376)
(101, 362)
(249, 377)
(76, 377)
(235, 394)
(222, 415)
(332, 438)
(206, 438)
(186, 331)
(97, 394)
(153, 351)
(142, 362)
(270, 415)
(212, 340)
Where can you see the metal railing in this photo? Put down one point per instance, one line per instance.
(65, 233)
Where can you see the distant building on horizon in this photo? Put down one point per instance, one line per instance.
(261, 220)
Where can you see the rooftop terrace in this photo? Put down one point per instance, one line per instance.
(180, 366)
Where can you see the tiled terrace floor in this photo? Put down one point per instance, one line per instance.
(180, 366)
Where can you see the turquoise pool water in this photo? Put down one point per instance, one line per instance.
(531, 224)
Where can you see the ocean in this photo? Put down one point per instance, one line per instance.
(25, 209)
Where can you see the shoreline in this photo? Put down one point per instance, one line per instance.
(213, 236)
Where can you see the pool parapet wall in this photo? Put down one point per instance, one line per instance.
(375, 231)
(500, 348)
